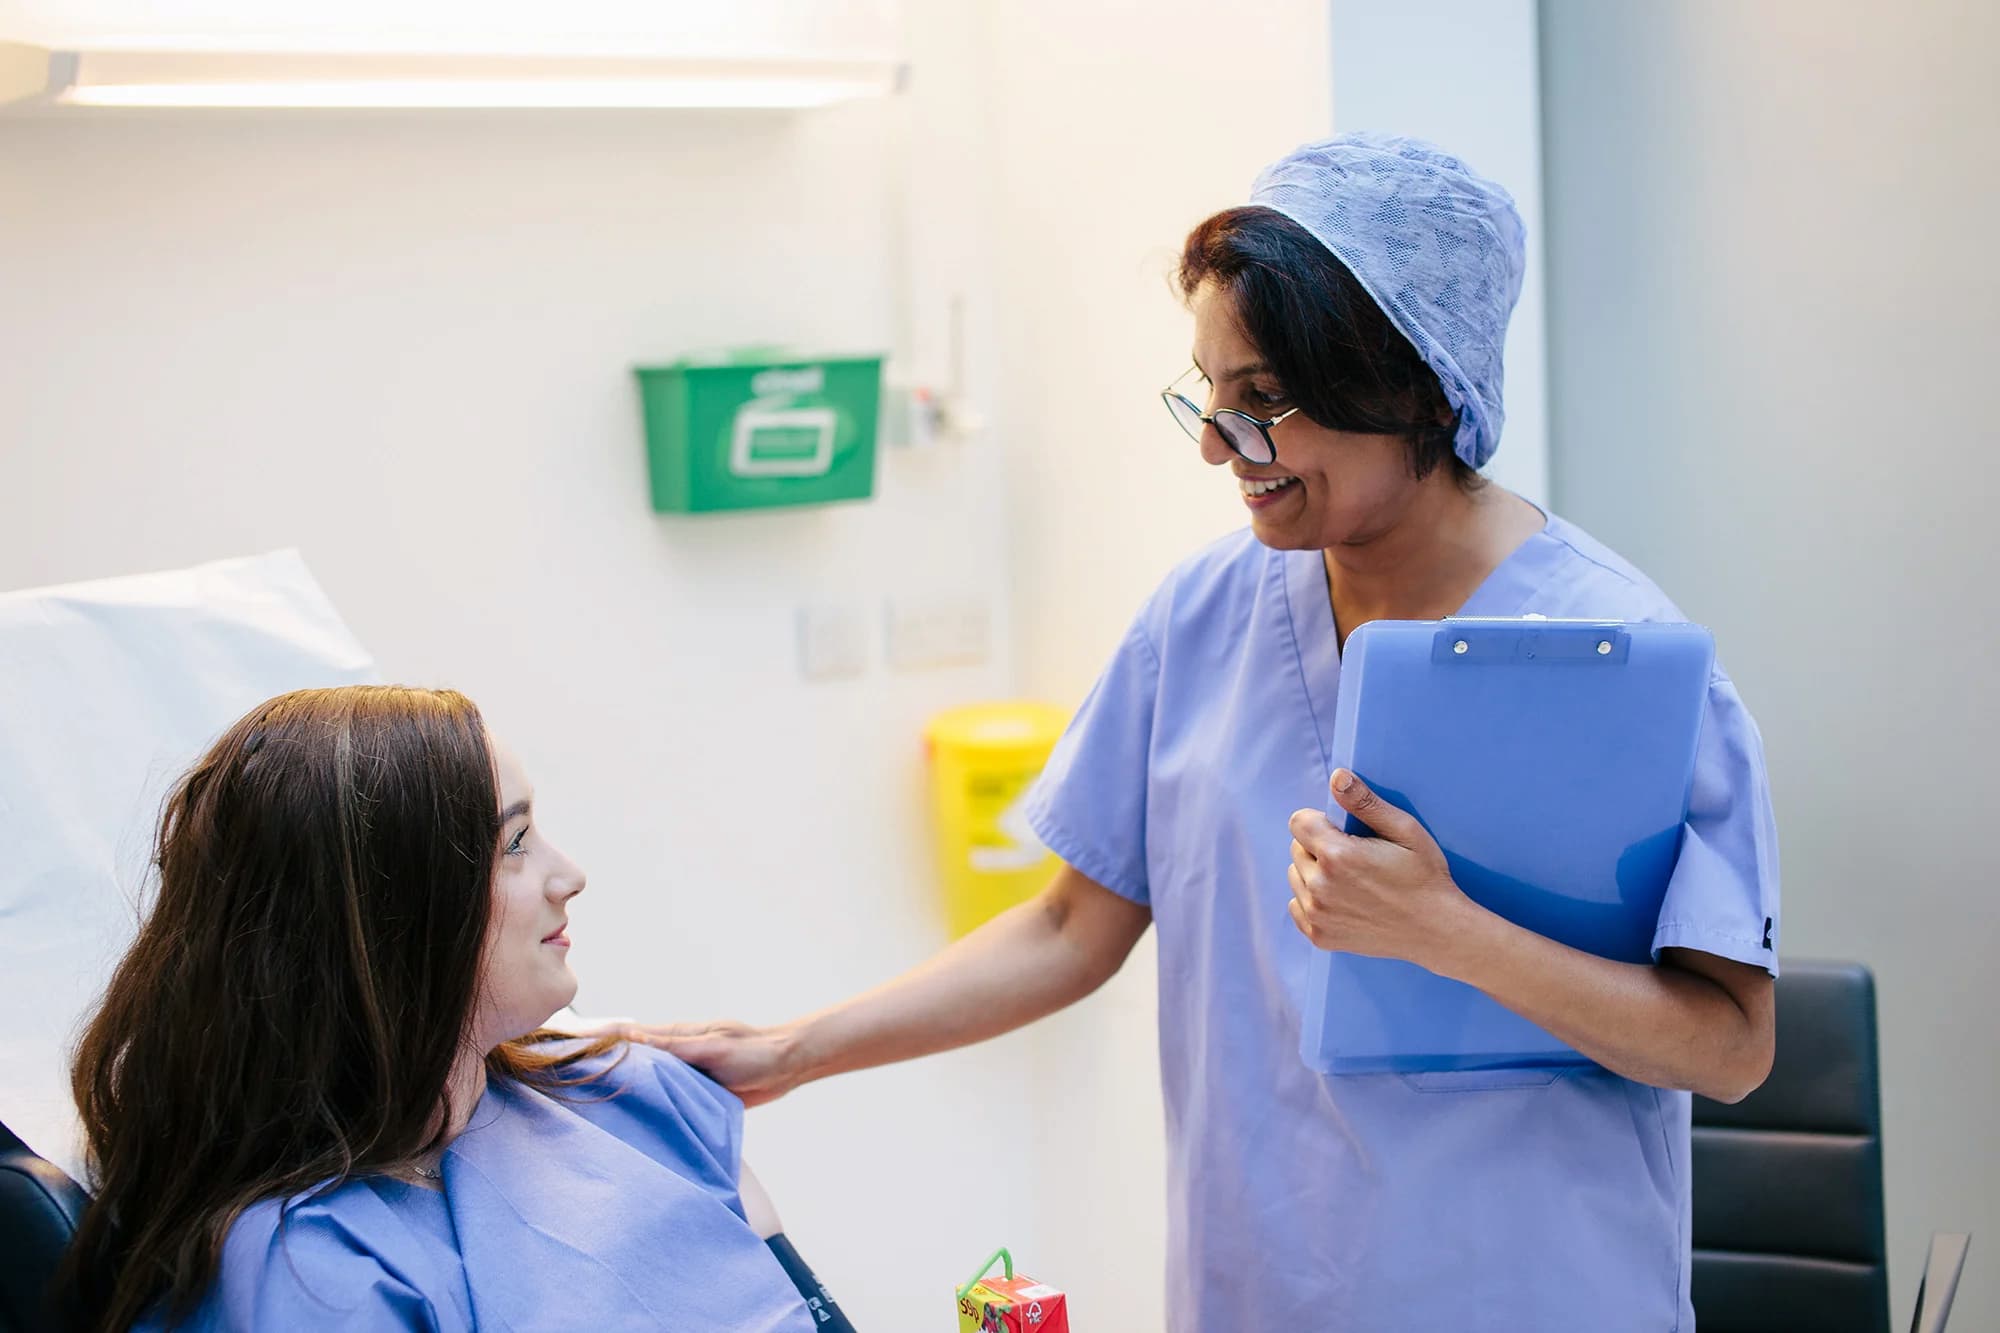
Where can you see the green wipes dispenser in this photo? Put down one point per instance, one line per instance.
(758, 430)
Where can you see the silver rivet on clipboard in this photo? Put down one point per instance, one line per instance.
(1604, 648)
(1460, 647)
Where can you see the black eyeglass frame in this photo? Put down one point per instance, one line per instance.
(1195, 419)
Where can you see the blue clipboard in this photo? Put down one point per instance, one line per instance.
(1552, 761)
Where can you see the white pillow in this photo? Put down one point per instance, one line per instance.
(108, 691)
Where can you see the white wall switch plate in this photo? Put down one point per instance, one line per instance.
(833, 642)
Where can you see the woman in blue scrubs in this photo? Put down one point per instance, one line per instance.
(1348, 328)
(317, 1095)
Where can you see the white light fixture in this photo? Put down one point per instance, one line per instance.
(181, 78)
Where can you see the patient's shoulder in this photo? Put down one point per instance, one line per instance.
(667, 1109)
(645, 1068)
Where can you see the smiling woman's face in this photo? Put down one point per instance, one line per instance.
(526, 976)
(1333, 487)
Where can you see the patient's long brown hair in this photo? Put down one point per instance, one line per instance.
(290, 1012)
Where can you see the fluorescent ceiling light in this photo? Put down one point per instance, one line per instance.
(182, 78)
(678, 29)
(467, 93)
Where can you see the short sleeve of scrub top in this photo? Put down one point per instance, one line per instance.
(1089, 806)
(1722, 899)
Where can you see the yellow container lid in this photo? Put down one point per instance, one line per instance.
(1020, 726)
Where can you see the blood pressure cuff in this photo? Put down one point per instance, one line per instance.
(826, 1315)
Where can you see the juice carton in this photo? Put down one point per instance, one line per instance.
(1010, 1304)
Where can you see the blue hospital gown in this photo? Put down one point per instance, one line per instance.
(616, 1212)
(1509, 1200)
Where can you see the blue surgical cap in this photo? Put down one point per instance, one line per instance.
(1440, 248)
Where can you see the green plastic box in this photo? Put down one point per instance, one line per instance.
(757, 431)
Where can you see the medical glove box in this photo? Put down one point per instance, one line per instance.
(759, 431)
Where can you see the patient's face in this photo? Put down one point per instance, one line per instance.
(527, 975)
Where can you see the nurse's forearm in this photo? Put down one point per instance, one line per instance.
(1694, 1021)
(1024, 964)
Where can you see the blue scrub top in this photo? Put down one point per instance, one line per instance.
(614, 1208)
(1508, 1200)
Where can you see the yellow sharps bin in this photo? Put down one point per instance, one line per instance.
(983, 759)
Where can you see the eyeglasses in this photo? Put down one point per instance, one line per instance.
(1247, 436)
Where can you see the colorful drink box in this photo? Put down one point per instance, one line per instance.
(1010, 1304)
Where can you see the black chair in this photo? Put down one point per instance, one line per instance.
(39, 1211)
(1788, 1182)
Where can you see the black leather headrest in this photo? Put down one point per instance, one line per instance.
(39, 1211)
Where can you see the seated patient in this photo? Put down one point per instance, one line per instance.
(317, 1094)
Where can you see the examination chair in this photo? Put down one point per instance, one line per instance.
(1788, 1229)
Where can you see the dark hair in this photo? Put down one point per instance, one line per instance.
(291, 1010)
(1334, 350)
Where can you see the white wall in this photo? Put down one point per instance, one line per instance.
(1464, 74)
(1772, 336)
(403, 344)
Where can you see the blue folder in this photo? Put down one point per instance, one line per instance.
(1552, 761)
